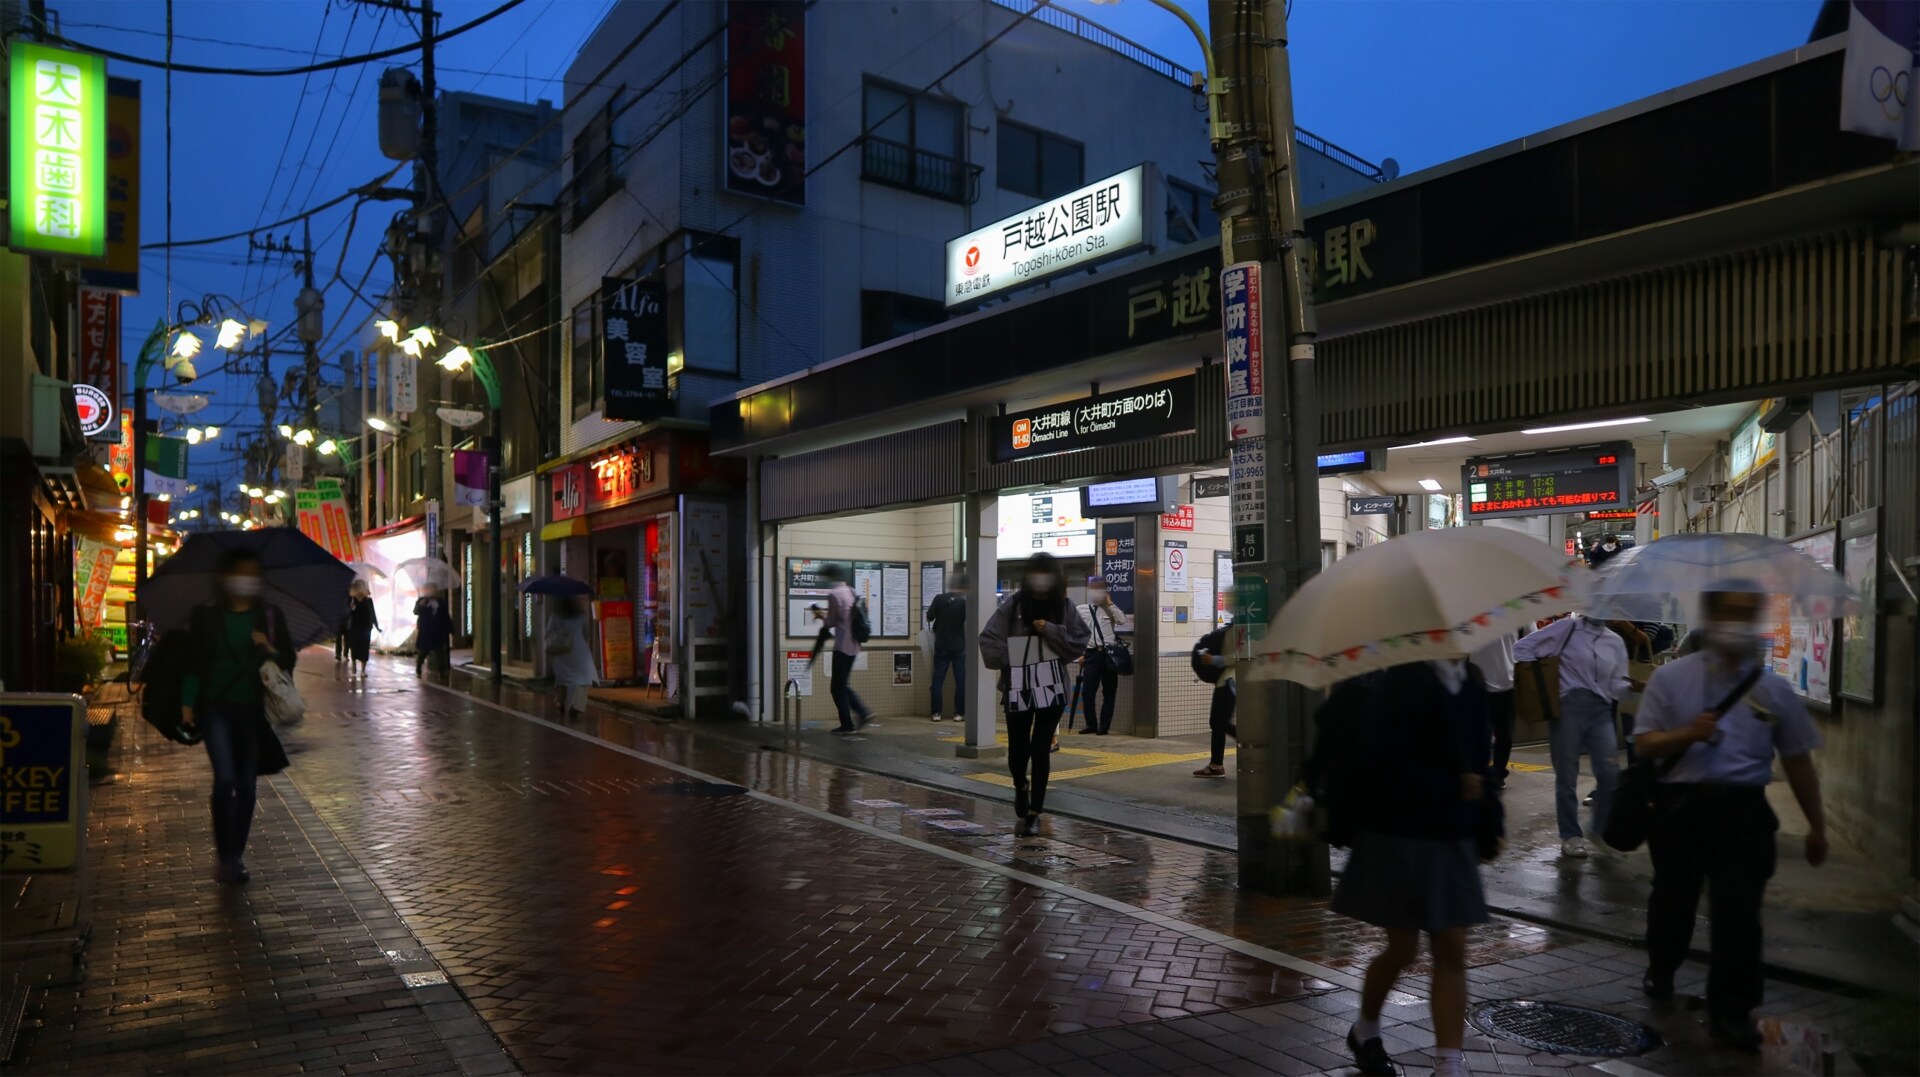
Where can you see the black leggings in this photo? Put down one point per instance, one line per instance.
(1030, 745)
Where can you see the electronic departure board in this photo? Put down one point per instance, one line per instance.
(1581, 479)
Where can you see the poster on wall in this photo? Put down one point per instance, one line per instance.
(1803, 648)
(800, 672)
(896, 622)
(1223, 577)
(616, 641)
(1860, 631)
(933, 581)
(869, 586)
(1116, 563)
(706, 571)
(902, 668)
(766, 142)
(805, 615)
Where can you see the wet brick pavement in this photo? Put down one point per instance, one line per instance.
(615, 911)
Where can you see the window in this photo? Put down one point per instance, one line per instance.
(918, 142)
(709, 305)
(886, 315)
(593, 175)
(1039, 164)
(586, 359)
(1190, 214)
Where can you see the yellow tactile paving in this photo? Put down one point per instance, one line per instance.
(1100, 762)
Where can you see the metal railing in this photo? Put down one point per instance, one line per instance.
(899, 165)
(1094, 33)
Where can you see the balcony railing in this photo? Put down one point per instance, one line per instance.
(899, 165)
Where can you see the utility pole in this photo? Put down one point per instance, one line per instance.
(309, 297)
(1260, 223)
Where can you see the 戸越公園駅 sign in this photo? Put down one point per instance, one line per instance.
(1554, 481)
(1146, 411)
(1105, 218)
(58, 118)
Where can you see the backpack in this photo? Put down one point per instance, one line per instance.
(161, 679)
(862, 628)
(1214, 642)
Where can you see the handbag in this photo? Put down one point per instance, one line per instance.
(1035, 686)
(281, 699)
(1119, 657)
(1536, 685)
(558, 645)
(1636, 795)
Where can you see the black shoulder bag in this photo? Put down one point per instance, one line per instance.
(1635, 798)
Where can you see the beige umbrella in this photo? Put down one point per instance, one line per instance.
(1431, 594)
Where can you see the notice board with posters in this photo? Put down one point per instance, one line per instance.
(1803, 648)
(807, 587)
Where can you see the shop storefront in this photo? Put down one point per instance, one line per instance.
(644, 522)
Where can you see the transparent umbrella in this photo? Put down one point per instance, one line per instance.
(1665, 579)
(366, 571)
(426, 570)
(1431, 594)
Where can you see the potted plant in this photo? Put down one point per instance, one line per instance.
(80, 661)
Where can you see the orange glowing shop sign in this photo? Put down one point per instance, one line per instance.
(620, 475)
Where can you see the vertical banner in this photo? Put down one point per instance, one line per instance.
(1883, 62)
(633, 334)
(1248, 476)
(306, 511)
(1246, 365)
(58, 119)
(96, 389)
(469, 477)
(165, 468)
(121, 270)
(405, 382)
(93, 571)
(433, 527)
(766, 141)
(1116, 563)
(341, 541)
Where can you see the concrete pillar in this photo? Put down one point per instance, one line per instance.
(983, 569)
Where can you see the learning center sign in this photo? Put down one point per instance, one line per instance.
(58, 111)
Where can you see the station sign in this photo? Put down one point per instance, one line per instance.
(1373, 505)
(58, 103)
(1105, 219)
(1581, 479)
(1136, 414)
(1348, 463)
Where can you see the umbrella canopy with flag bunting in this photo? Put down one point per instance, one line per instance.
(426, 570)
(1665, 579)
(555, 584)
(1431, 594)
(298, 577)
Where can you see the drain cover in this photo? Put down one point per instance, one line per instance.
(697, 789)
(1563, 1030)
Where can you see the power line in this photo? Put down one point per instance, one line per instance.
(362, 192)
(326, 65)
(286, 143)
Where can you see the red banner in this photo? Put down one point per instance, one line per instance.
(96, 387)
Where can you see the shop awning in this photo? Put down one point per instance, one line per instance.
(561, 529)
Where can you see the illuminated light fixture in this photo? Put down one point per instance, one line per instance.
(193, 435)
(379, 424)
(388, 328)
(241, 486)
(256, 327)
(186, 345)
(210, 433)
(184, 370)
(1586, 426)
(329, 447)
(124, 534)
(125, 500)
(255, 491)
(232, 335)
(457, 358)
(1430, 444)
(286, 431)
(279, 493)
(421, 337)
(303, 437)
(1432, 486)
(163, 497)
(675, 362)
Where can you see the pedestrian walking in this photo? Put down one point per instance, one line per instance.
(1603, 551)
(847, 620)
(947, 617)
(1715, 719)
(1593, 677)
(1495, 663)
(1413, 741)
(433, 632)
(362, 621)
(569, 638)
(221, 695)
(1031, 638)
(1107, 658)
(1210, 663)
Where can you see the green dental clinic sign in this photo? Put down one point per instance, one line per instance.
(59, 142)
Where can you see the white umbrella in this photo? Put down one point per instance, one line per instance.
(366, 571)
(1665, 579)
(426, 570)
(1431, 594)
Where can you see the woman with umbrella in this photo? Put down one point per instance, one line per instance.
(222, 696)
(362, 622)
(433, 631)
(569, 635)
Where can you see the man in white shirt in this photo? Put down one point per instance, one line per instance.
(1593, 676)
(1100, 670)
(1495, 663)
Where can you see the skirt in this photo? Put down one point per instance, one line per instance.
(1414, 884)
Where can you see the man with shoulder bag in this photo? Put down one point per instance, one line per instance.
(1712, 722)
(1107, 660)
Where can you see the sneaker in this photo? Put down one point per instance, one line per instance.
(939, 718)
(1370, 1057)
(1210, 771)
(1029, 827)
(1575, 848)
(1450, 1067)
(959, 717)
(867, 722)
(844, 731)
(1588, 799)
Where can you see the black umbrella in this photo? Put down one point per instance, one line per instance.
(555, 584)
(298, 577)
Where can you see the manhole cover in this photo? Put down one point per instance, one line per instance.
(1563, 1030)
(697, 789)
